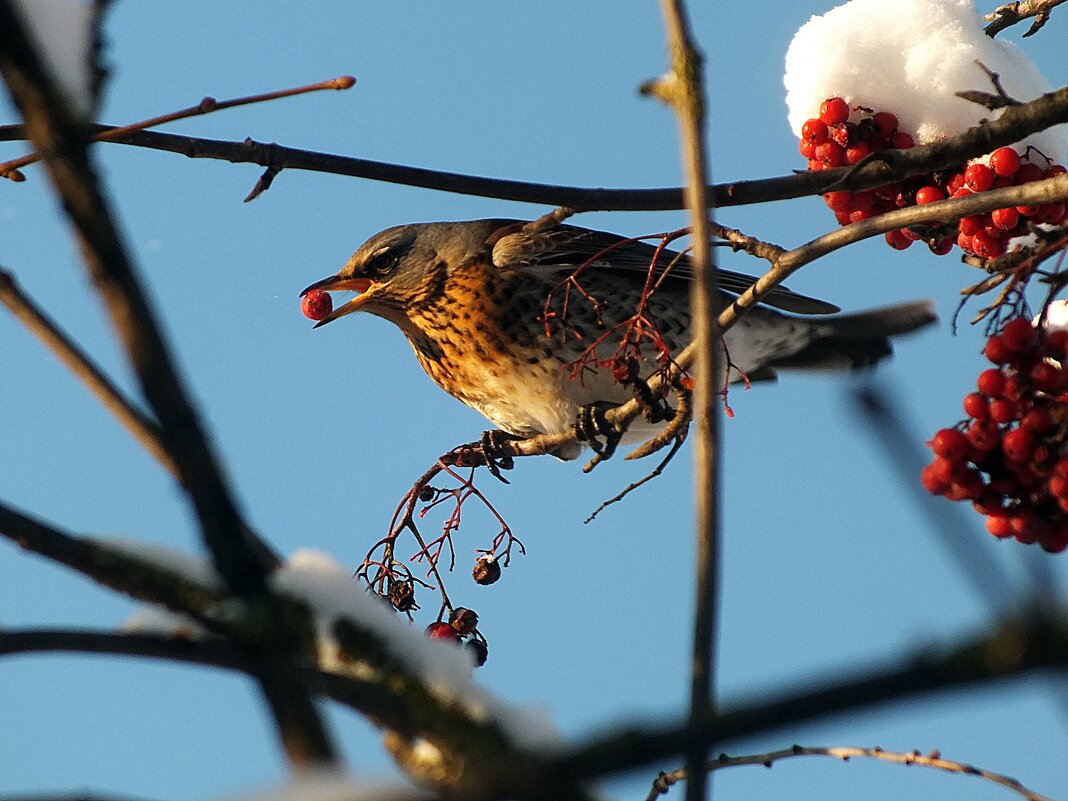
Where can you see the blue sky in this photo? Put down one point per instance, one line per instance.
(828, 564)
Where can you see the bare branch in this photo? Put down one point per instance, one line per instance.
(144, 429)
(1013, 125)
(844, 753)
(1009, 14)
(242, 560)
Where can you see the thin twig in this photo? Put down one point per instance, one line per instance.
(683, 89)
(844, 753)
(1009, 14)
(9, 169)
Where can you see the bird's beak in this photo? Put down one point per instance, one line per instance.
(335, 283)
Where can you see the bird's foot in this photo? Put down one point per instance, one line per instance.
(655, 407)
(592, 427)
(490, 448)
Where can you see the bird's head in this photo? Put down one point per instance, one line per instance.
(404, 267)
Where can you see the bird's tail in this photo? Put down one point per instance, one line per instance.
(858, 340)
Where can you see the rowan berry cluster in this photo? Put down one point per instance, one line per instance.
(462, 628)
(1010, 456)
(842, 136)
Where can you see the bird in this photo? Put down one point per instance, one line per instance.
(528, 323)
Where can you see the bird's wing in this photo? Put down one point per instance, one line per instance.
(571, 246)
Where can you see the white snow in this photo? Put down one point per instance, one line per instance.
(1056, 316)
(157, 620)
(445, 668)
(197, 569)
(323, 784)
(908, 57)
(64, 32)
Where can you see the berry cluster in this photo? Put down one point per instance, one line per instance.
(833, 140)
(1010, 457)
(462, 627)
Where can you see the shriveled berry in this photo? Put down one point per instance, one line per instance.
(478, 650)
(402, 596)
(487, 569)
(463, 620)
(316, 304)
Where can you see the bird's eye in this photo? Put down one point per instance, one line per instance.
(381, 263)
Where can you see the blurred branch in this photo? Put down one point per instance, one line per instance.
(682, 88)
(844, 753)
(1014, 649)
(243, 561)
(1009, 14)
(144, 429)
(361, 664)
(880, 169)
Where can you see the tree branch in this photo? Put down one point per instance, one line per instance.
(61, 137)
(1009, 14)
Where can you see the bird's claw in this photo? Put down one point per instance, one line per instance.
(490, 447)
(592, 426)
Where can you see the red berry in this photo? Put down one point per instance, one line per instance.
(856, 152)
(834, 110)
(1018, 444)
(316, 304)
(1051, 213)
(1039, 420)
(968, 484)
(442, 631)
(830, 154)
(1005, 161)
(1047, 378)
(997, 350)
(991, 382)
(986, 246)
(971, 225)
(929, 194)
(897, 240)
(950, 443)
(814, 131)
(979, 177)
(999, 525)
(1005, 219)
(885, 122)
(808, 150)
(1058, 487)
(1054, 170)
(1019, 334)
(839, 200)
(901, 141)
(964, 242)
(984, 435)
(1003, 410)
(932, 481)
(1028, 173)
(975, 406)
(1057, 344)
